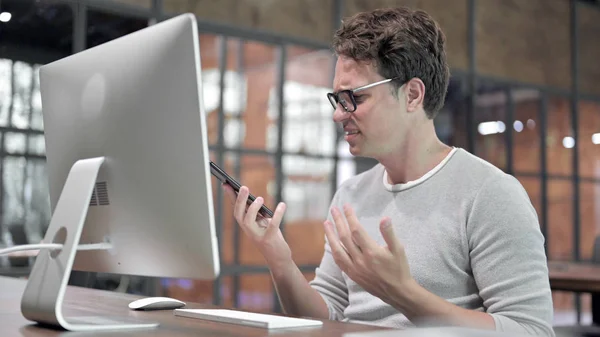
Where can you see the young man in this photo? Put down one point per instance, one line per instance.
(432, 234)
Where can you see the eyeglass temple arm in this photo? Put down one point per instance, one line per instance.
(372, 85)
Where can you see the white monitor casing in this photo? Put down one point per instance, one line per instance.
(128, 163)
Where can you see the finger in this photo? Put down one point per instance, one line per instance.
(340, 254)
(344, 233)
(252, 213)
(229, 192)
(277, 216)
(239, 210)
(359, 236)
(387, 231)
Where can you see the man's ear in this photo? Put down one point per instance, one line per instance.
(415, 94)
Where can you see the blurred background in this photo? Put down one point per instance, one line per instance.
(524, 95)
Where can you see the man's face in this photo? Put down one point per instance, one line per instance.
(377, 126)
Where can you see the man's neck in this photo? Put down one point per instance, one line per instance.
(419, 156)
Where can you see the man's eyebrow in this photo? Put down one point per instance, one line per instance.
(345, 87)
(340, 88)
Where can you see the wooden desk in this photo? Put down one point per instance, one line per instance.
(577, 277)
(574, 276)
(83, 301)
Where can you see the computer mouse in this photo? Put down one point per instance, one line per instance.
(156, 303)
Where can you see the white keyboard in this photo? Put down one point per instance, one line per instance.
(247, 318)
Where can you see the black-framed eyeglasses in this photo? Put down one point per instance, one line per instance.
(346, 99)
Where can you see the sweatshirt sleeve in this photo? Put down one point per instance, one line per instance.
(329, 281)
(330, 284)
(508, 259)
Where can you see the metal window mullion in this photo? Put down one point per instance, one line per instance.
(509, 134)
(30, 114)
(561, 177)
(4, 154)
(219, 161)
(241, 71)
(543, 117)
(279, 176)
(227, 270)
(157, 10)
(25, 131)
(574, 125)
(262, 36)
(558, 91)
(338, 12)
(472, 78)
(3, 140)
(240, 150)
(116, 7)
(28, 140)
(263, 152)
(589, 97)
(79, 26)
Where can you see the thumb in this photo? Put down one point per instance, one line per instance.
(387, 230)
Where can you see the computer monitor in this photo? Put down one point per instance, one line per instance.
(128, 164)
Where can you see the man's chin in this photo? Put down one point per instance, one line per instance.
(361, 152)
(357, 151)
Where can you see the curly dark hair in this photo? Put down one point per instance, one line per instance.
(404, 44)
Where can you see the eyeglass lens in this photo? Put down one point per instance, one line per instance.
(343, 98)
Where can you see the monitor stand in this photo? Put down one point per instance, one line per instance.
(42, 300)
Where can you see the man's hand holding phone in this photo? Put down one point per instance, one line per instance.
(263, 231)
(257, 221)
(235, 185)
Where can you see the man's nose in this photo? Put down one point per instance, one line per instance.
(340, 114)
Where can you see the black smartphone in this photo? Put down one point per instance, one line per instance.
(227, 179)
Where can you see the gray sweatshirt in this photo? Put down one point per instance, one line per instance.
(471, 236)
